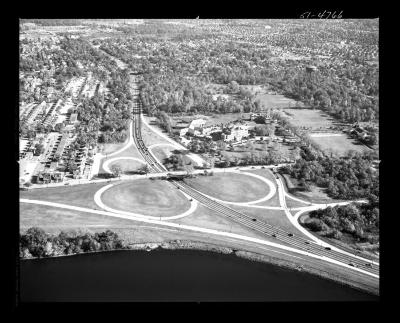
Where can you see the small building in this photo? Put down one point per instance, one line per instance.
(183, 132)
(237, 133)
(53, 165)
(197, 123)
(57, 176)
(73, 118)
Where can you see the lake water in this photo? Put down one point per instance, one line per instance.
(171, 275)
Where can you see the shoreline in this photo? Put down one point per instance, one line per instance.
(248, 255)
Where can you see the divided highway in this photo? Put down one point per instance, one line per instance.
(246, 220)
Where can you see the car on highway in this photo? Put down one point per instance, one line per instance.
(368, 265)
(328, 248)
(306, 242)
(290, 234)
(352, 264)
(274, 235)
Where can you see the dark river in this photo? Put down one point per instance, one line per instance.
(166, 275)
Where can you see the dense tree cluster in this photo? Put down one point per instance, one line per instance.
(361, 221)
(176, 71)
(344, 178)
(350, 94)
(35, 242)
(110, 114)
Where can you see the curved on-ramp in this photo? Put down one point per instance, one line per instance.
(297, 225)
(271, 193)
(109, 161)
(99, 202)
(198, 229)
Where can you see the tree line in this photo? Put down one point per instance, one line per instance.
(36, 243)
(360, 221)
(351, 177)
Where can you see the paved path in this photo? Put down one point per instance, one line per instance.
(99, 202)
(294, 219)
(271, 193)
(109, 161)
(198, 229)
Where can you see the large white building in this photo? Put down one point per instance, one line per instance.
(237, 133)
(197, 123)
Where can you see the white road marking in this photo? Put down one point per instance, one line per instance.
(108, 161)
(199, 229)
(99, 202)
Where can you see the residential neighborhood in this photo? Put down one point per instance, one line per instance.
(238, 158)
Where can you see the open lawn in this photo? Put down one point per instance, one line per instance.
(230, 187)
(334, 141)
(206, 218)
(274, 201)
(131, 151)
(126, 165)
(111, 148)
(316, 195)
(215, 119)
(276, 101)
(338, 145)
(57, 219)
(154, 198)
(242, 151)
(315, 119)
(162, 152)
(77, 195)
(273, 217)
(149, 136)
(293, 203)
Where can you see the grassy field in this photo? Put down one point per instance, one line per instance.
(162, 152)
(155, 198)
(129, 152)
(56, 219)
(78, 195)
(316, 195)
(126, 165)
(308, 118)
(273, 217)
(150, 137)
(293, 203)
(215, 119)
(206, 218)
(276, 101)
(241, 151)
(230, 187)
(338, 143)
(111, 148)
(274, 201)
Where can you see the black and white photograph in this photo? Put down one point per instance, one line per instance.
(199, 159)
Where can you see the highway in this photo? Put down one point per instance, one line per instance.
(248, 221)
